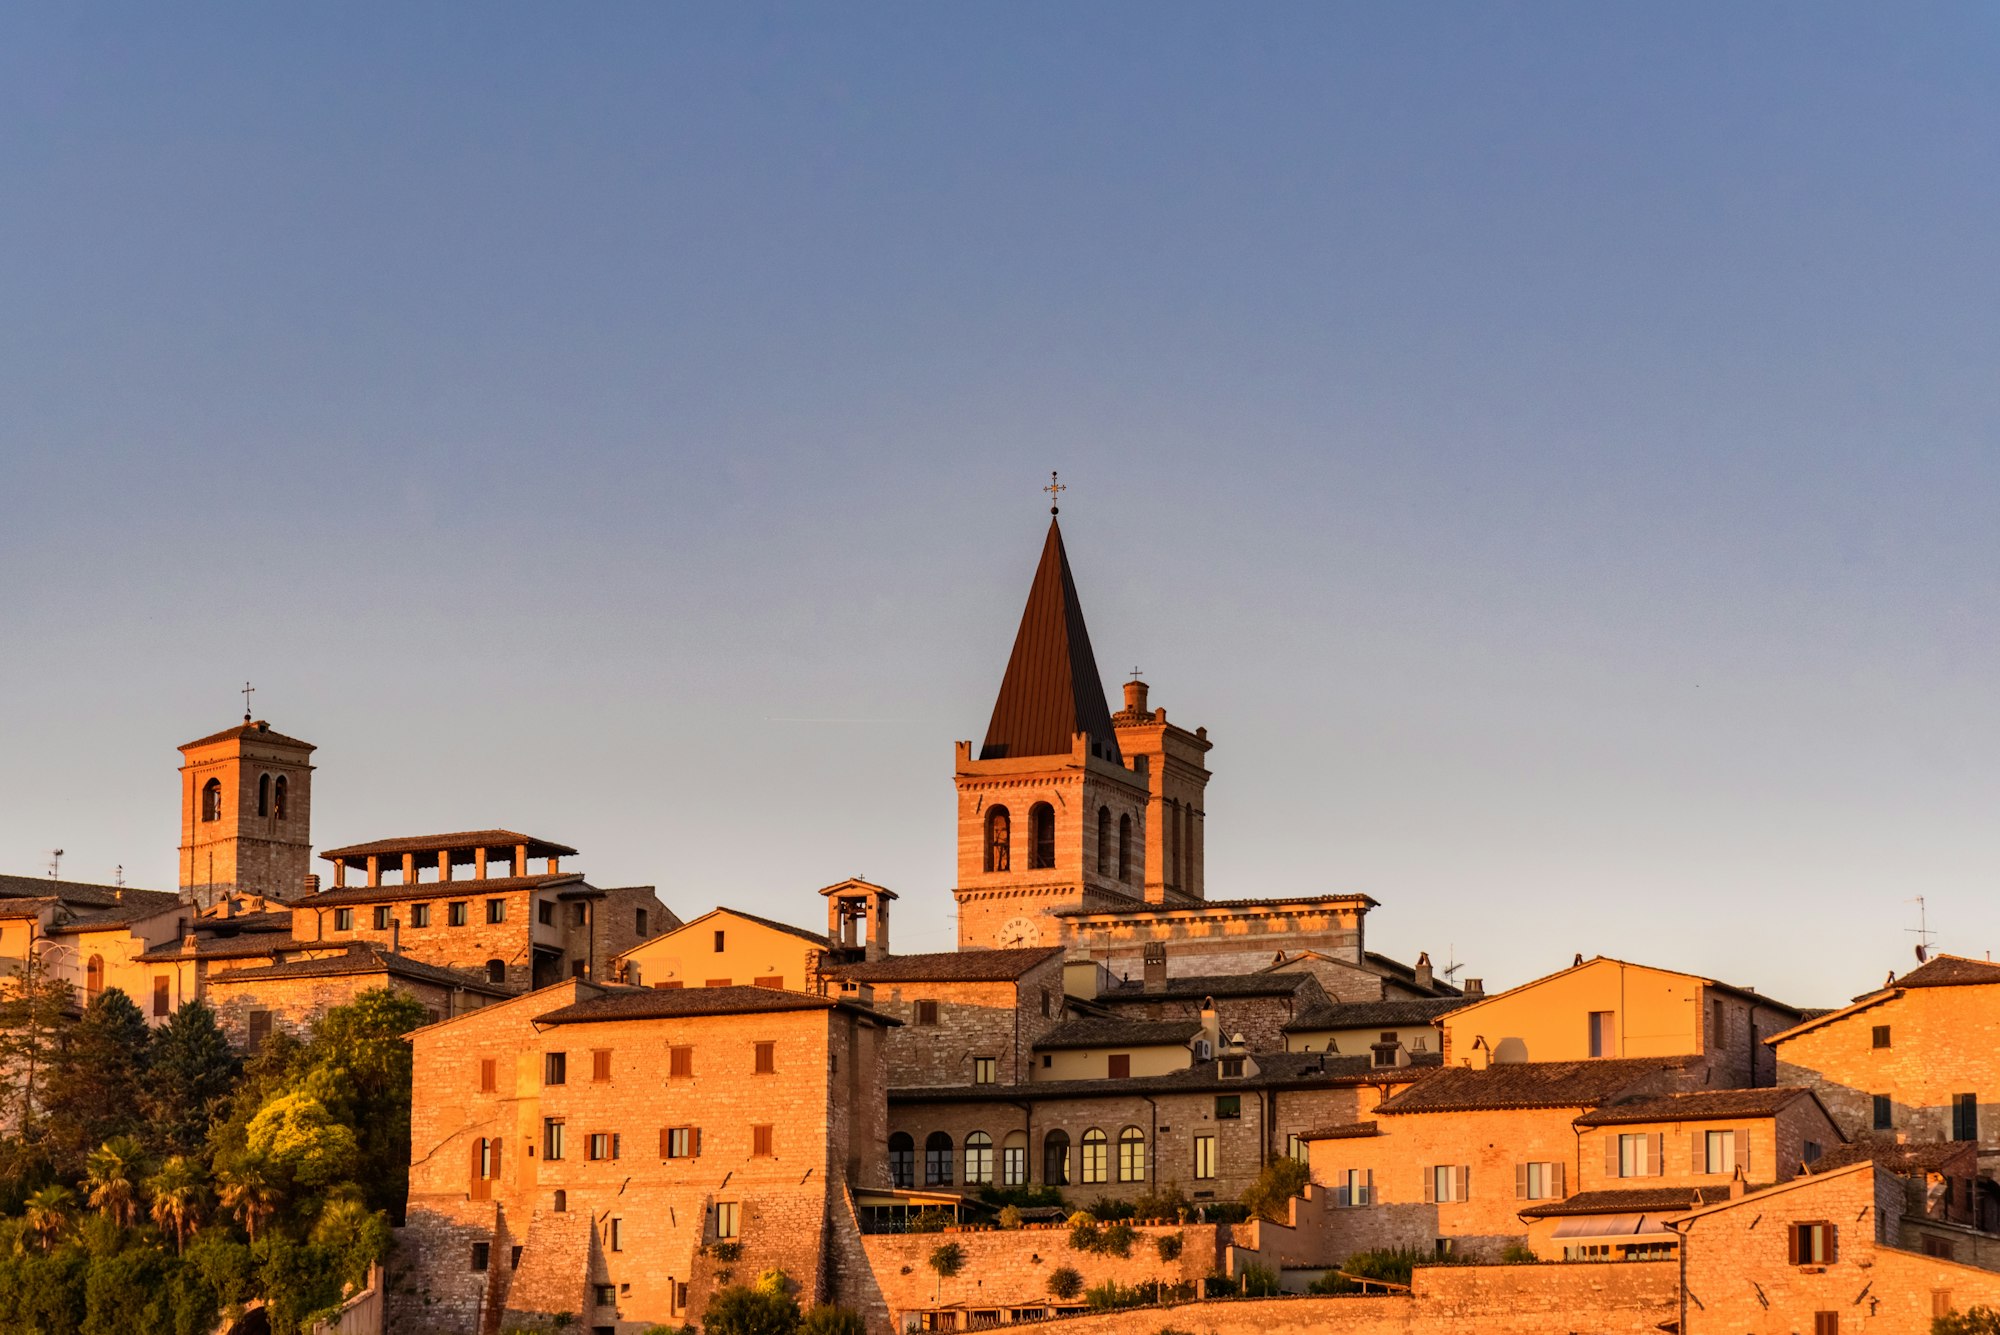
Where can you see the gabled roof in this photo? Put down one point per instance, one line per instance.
(1275, 1070)
(1761, 1196)
(76, 894)
(947, 966)
(1407, 975)
(1510, 1085)
(1698, 1105)
(1351, 1131)
(1371, 1014)
(461, 844)
(137, 906)
(1051, 690)
(1073, 1034)
(361, 957)
(1905, 1160)
(259, 731)
(649, 1003)
(1951, 971)
(1747, 993)
(802, 933)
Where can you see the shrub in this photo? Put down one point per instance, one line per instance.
(1218, 1286)
(1106, 1208)
(1270, 1195)
(1519, 1253)
(947, 1260)
(929, 1221)
(1117, 1240)
(1025, 1197)
(1392, 1264)
(1167, 1203)
(726, 1251)
(741, 1310)
(1333, 1282)
(827, 1319)
(1972, 1321)
(1010, 1216)
(1259, 1281)
(1111, 1294)
(1065, 1282)
(1084, 1235)
(1168, 1245)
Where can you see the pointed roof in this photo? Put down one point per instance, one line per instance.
(260, 731)
(1051, 690)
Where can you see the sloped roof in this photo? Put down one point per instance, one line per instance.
(360, 957)
(1576, 1084)
(1749, 994)
(258, 731)
(1051, 689)
(138, 905)
(1371, 1014)
(458, 842)
(803, 933)
(1406, 974)
(245, 946)
(1275, 1070)
(1092, 1033)
(1699, 1105)
(341, 896)
(1626, 1200)
(1923, 1156)
(1951, 971)
(649, 1003)
(1352, 1131)
(1199, 985)
(76, 894)
(947, 966)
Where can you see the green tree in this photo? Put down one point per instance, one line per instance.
(250, 1191)
(179, 1190)
(301, 1142)
(188, 1080)
(826, 1319)
(358, 1066)
(741, 1310)
(1270, 1196)
(49, 1213)
(35, 1007)
(1972, 1321)
(111, 1179)
(93, 1089)
(1065, 1282)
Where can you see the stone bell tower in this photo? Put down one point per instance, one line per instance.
(246, 814)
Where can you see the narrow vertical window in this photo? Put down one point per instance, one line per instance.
(1131, 1155)
(263, 794)
(1125, 848)
(1055, 1159)
(93, 976)
(1042, 834)
(278, 797)
(1103, 840)
(211, 800)
(937, 1160)
(999, 839)
(496, 971)
(978, 1159)
(902, 1161)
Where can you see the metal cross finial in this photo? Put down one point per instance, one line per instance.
(248, 690)
(1055, 490)
(1135, 674)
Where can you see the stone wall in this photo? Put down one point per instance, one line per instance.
(1000, 1020)
(296, 1004)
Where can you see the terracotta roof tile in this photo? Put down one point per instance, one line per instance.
(1633, 1200)
(1698, 1105)
(1924, 1156)
(1197, 986)
(458, 841)
(360, 958)
(1951, 971)
(258, 731)
(948, 966)
(1352, 1131)
(646, 1003)
(1072, 1034)
(1276, 1070)
(1578, 1084)
(342, 896)
(1372, 1014)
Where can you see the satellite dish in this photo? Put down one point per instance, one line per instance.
(1922, 954)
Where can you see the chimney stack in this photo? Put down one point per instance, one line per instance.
(1135, 697)
(1156, 966)
(1424, 976)
(1475, 988)
(312, 883)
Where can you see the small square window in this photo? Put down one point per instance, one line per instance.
(343, 920)
(1047, 1061)
(600, 1145)
(927, 1012)
(454, 913)
(1228, 1107)
(1881, 1036)
(607, 1294)
(680, 1062)
(381, 917)
(420, 915)
(600, 1064)
(496, 910)
(728, 1219)
(555, 1068)
(984, 1070)
(760, 1142)
(482, 1255)
(545, 913)
(719, 939)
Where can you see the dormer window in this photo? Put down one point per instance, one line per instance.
(1232, 1068)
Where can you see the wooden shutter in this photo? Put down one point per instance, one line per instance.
(760, 1141)
(774, 982)
(1368, 1190)
(1793, 1234)
(664, 1133)
(1520, 1182)
(1832, 1242)
(695, 1149)
(1121, 1065)
(1430, 1185)
(680, 1061)
(600, 1064)
(1342, 1194)
(493, 1157)
(1561, 1187)
(1698, 1153)
(1656, 1151)
(1743, 1151)
(477, 1190)
(1462, 1189)
(1611, 1154)
(489, 1075)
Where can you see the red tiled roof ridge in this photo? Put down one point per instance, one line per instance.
(432, 843)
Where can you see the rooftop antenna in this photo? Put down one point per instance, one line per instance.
(118, 877)
(55, 863)
(1921, 931)
(1451, 953)
(248, 691)
(1055, 490)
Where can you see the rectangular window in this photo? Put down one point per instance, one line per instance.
(1120, 1065)
(1718, 1151)
(1603, 1034)
(1813, 1244)
(767, 1059)
(1965, 1117)
(984, 1069)
(1826, 1323)
(1228, 1107)
(552, 1138)
(639, 921)
(1230, 1067)
(420, 915)
(680, 1062)
(579, 914)
(1717, 1019)
(1132, 1157)
(381, 917)
(927, 1012)
(343, 920)
(555, 1068)
(774, 981)
(1354, 1187)
(1811, 1151)
(718, 982)
(718, 945)
(1096, 1161)
(614, 1236)
(260, 1029)
(1881, 1036)
(1630, 1156)
(482, 1255)
(600, 1064)
(606, 1295)
(600, 1146)
(1014, 1166)
(680, 1142)
(496, 910)
(1885, 1113)
(489, 1075)
(161, 993)
(668, 986)
(1204, 1157)
(545, 912)
(1295, 1147)
(760, 1142)
(454, 913)
(728, 1219)
(1541, 1181)
(1447, 1183)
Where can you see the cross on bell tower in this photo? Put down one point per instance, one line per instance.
(1055, 489)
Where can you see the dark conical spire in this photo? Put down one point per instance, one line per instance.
(1051, 690)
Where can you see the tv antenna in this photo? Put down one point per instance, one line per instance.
(1451, 953)
(1922, 931)
(118, 877)
(55, 863)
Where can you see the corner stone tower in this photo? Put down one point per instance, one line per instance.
(1050, 817)
(246, 814)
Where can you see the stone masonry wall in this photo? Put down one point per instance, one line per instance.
(296, 1004)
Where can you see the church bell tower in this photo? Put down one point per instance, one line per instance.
(246, 814)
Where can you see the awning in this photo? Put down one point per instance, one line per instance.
(1615, 1227)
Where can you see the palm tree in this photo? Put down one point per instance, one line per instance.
(111, 1177)
(177, 1190)
(250, 1193)
(48, 1212)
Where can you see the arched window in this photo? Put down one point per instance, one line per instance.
(937, 1160)
(263, 794)
(1042, 832)
(1014, 1160)
(496, 971)
(93, 976)
(1094, 1158)
(1131, 1155)
(902, 1161)
(1103, 840)
(1125, 848)
(1055, 1159)
(978, 1159)
(999, 839)
(562, 1199)
(211, 800)
(278, 798)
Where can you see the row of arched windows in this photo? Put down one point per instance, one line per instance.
(1041, 838)
(1064, 1163)
(271, 794)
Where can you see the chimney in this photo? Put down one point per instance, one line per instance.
(1737, 1184)
(1156, 966)
(1135, 697)
(312, 883)
(396, 935)
(1424, 970)
(226, 907)
(1475, 988)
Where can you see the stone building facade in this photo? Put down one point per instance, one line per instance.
(246, 813)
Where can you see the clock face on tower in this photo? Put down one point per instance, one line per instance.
(1018, 932)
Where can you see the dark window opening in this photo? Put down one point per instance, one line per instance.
(937, 1160)
(211, 800)
(1042, 832)
(496, 971)
(1103, 840)
(999, 839)
(263, 794)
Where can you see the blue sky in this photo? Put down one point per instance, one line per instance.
(1551, 448)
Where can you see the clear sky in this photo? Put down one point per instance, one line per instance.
(1551, 448)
